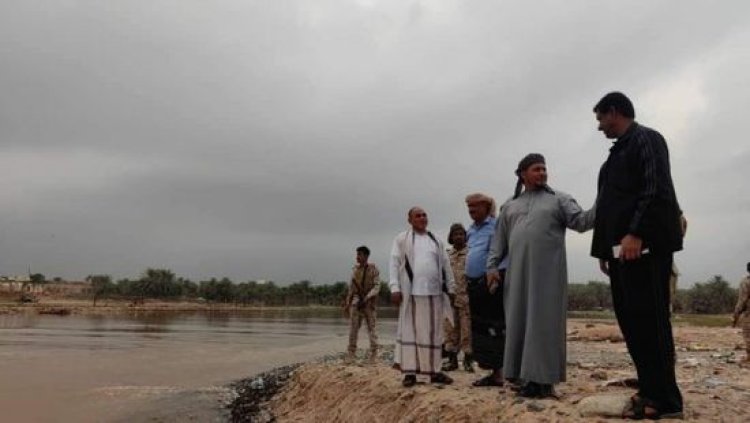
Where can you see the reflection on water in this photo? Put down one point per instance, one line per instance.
(72, 368)
(262, 328)
(193, 326)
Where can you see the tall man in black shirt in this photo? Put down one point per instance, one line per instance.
(636, 232)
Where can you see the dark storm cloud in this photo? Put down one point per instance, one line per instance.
(268, 139)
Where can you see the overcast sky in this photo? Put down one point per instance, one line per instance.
(268, 139)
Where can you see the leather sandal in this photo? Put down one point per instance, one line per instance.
(643, 408)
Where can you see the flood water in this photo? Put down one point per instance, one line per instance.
(153, 366)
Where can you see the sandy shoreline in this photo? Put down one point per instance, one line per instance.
(715, 386)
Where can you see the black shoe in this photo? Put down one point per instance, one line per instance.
(529, 390)
(409, 381)
(546, 391)
(488, 380)
(536, 390)
(441, 378)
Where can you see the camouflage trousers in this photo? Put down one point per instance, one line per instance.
(458, 336)
(356, 316)
(746, 334)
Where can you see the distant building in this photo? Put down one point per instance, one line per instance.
(18, 287)
(71, 288)
(19, 284)
(19, 278)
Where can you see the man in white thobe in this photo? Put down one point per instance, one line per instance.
(420, 281)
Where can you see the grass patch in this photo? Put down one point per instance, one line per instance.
(705, 320)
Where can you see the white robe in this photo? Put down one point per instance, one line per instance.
(420, 319)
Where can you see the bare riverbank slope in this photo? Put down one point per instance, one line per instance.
(716, 386)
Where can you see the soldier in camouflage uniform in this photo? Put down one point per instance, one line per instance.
(361, 301)
(458, 336)
(742, 310)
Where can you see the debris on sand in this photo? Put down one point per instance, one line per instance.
(255, 392)
(600, 382)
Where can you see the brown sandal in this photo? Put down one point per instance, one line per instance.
(643, 408)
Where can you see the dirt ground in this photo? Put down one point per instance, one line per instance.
(714, 383)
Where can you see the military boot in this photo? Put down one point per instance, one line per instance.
(372, 358)
(452, 363)
(468, 363)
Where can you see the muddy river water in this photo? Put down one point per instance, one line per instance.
(152, 366)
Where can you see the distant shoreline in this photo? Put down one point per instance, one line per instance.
(84, 307)
(63, 306)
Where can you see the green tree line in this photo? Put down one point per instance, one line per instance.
(163, 284)
(714, 296)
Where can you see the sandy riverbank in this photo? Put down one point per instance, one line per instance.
(715, 385)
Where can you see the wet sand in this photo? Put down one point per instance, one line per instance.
(148, 368)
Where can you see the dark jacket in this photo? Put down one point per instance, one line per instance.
(636, 195)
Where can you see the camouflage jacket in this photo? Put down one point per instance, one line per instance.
(458, 264)
(743, 299)
(364, 285)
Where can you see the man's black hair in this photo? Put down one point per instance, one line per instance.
(364, 250)
(748, 267)
(455, 227)
(617, 101)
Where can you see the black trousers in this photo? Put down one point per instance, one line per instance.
(640, 295)
(487, 323)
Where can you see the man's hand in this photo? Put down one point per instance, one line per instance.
(604, 267)
(630, 247)
(494, 279)
(396, 298)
